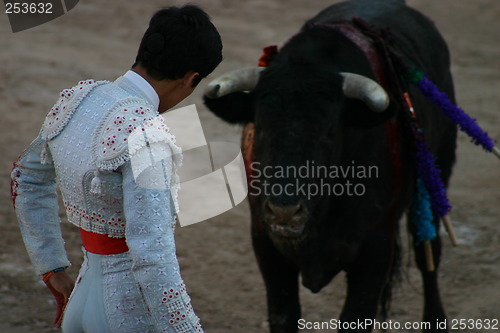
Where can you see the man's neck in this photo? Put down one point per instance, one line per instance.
(166, 89)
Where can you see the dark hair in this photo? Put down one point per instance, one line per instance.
(180, 39)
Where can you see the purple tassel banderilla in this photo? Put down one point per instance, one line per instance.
(430, 191)
(436, 190)
(456, 114)
(427, 169)
(432, 179)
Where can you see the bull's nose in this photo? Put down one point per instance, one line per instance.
(285, 220)
(280, 213)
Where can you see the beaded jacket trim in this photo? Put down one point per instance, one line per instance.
(63, 109)
(60, 114)
(126, 128)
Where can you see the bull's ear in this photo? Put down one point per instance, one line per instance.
(234, 108)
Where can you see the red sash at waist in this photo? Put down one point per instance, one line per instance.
(102, 244)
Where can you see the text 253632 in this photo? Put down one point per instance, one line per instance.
(474, 324)
(28, 8)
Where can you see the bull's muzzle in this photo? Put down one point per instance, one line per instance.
(285, 220)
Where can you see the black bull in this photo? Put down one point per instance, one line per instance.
(298, 114)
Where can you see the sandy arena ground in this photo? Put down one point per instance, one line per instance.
(98, 39)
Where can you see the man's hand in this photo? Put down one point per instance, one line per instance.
(60, 285)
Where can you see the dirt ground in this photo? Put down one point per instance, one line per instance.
(98, 39)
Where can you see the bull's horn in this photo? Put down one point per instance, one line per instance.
(365, 89)
(238, 80)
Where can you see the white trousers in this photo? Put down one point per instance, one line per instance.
(106, 298)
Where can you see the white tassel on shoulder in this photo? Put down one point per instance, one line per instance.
(95, 185)
(45, 157)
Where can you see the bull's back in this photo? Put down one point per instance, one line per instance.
(416, 36)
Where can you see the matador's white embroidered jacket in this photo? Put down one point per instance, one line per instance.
(114, 160)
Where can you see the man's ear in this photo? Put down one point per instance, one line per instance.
(191, 79)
